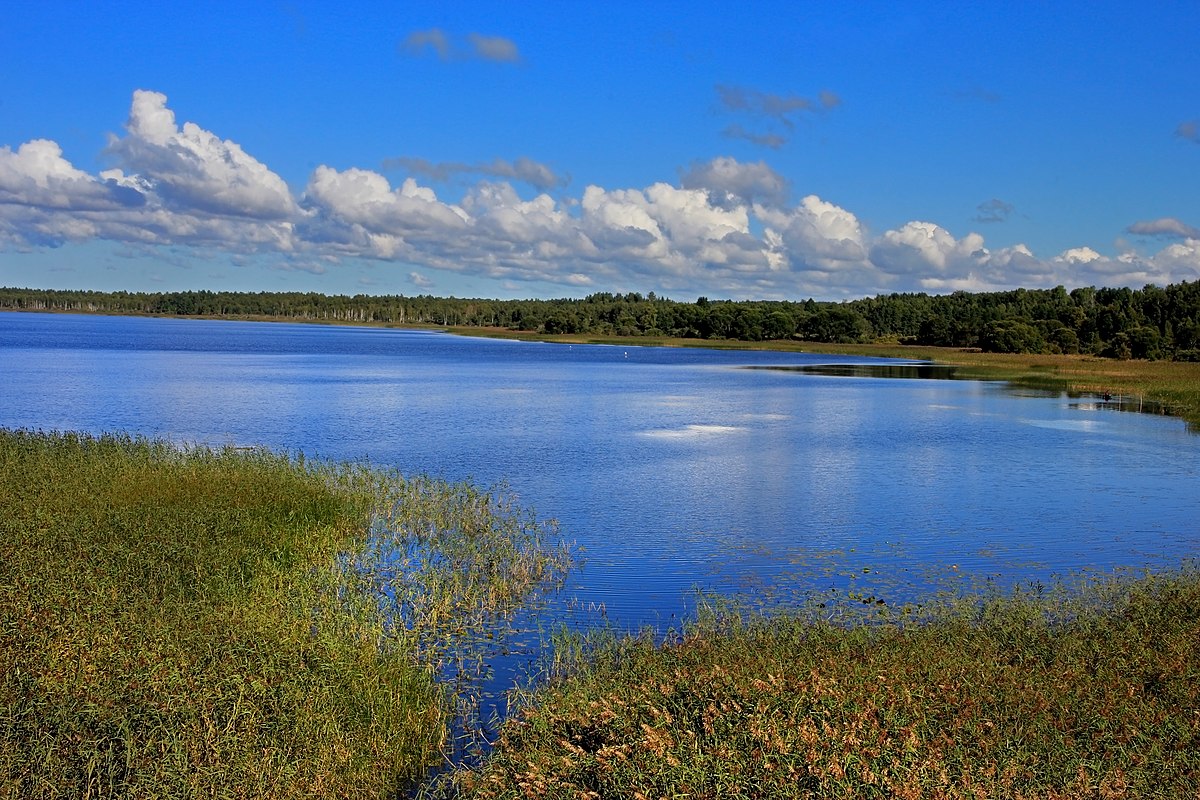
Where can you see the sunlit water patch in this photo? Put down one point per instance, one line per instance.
(692, 431)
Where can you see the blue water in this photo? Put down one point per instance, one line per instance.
(671, 469)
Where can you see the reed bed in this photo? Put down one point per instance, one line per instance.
(1083, 691)
(203, 623)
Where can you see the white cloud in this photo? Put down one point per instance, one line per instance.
(364, 198)
(924, 248)
(817, 233)
(192, 170)
(730, 181)
(927, 257)
(37, 175)
(727, 230)
(1179, 261)
(1078, 255)
(498, 208)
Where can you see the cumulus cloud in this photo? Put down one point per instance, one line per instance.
(926, 248)
(928, 257)
(1167, 226)
(816, 234)
(728, 228)
(1078, 255)
(192, 169)
(730, 181)
(477, 46)
(356, 212)
(538, 175)
(184, 186)
(37, 175)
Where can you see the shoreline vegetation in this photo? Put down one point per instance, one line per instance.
(1080, 690)
(186, 621)
(183, 622)
(1138, 344)
(1153, 323)
(190, 622)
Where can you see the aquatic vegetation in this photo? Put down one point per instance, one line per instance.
(452, 564)
(1070, 691)
(186, 622)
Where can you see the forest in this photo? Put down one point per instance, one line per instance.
(1149, 323)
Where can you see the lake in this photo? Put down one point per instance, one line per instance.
(671, 469)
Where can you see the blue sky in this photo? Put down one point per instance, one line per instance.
(763, 150)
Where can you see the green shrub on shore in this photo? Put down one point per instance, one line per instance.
(1092, 693)
(196, 622)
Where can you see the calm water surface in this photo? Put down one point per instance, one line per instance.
(673, 469)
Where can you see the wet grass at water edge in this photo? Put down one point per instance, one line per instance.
(187, 622)
(1089, 690)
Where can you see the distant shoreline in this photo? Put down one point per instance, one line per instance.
(1173, 385)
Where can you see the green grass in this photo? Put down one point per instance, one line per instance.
(1091, 691)
(208, 623)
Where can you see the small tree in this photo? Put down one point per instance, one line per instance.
(1145, 342)
(1011, 336)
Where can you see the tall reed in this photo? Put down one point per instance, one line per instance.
(1080, 691)
(206, 623)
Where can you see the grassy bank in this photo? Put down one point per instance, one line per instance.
(1090, 691)
(205, 623)
(1174, 385)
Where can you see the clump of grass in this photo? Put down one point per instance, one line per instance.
(446, 551)
(1088, 693)
(195, 622)
(452, 564)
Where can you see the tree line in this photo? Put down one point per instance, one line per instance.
(1152, 323)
